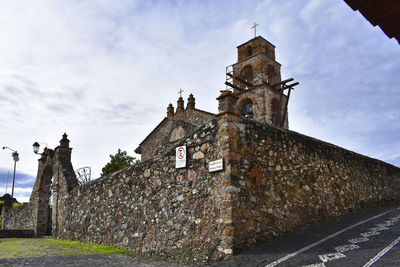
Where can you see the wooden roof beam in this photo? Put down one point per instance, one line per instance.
(240, 79)
(282, 82)
(235, 87)
(290, 85)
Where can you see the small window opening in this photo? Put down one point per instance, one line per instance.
(249, 51)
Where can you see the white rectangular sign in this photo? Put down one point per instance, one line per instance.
(180, 157)
(216, 165)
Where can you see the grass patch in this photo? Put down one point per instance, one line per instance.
(16, 205)
(41, 247)
(94, 247)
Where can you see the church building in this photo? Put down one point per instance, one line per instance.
(255, 79)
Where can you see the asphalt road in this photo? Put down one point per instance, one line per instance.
(369, 238)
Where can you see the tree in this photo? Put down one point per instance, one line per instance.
(118, 162)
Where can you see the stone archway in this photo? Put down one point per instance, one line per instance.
(55, 172)
(43, 196)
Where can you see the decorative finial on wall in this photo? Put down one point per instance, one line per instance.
(170, 111)
(191, 102)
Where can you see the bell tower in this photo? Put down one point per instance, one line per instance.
(256, 79)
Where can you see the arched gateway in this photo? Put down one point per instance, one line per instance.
(55, 172)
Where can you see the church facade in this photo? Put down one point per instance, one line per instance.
(177, 125)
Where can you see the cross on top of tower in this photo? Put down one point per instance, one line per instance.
(254, 27)
(180, 92)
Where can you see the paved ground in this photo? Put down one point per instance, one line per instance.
(362, 239)
(87, 260)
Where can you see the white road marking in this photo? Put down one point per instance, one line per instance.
(389, 223)
(394, 221)
(386, 224)
(358, 240)
(321, 264)
(378, 228)
(382, 253)
(367, 234)
(396, 218)
(324, 239)
(331, 256)
(345, 248)
(381, 225)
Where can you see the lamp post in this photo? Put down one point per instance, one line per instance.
(15, 156)
(36, 147)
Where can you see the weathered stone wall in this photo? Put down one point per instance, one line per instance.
(20, 218)
(159, 139)
(154, 208)
(284, 180)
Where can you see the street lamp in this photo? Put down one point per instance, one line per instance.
(36, 147)
(15, 156)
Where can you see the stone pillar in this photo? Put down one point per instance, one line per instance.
(191, 102)
(170, 111)
(64, 142)
(55, 214)
(228, 198)
(63, 163)
(180, 107)
(63, 151)
(227, 103)
(64, 180)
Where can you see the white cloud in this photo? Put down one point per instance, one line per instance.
(105, 71)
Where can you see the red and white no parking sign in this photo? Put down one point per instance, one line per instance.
(180, 157)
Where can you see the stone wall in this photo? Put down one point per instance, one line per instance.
(154, 208)
(20, 218)
(284, 180)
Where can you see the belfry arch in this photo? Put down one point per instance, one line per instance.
(247, 73)
(55, 172)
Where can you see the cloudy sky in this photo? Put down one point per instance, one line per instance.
(104, 72)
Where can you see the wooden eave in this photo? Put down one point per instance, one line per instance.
(384, 13)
